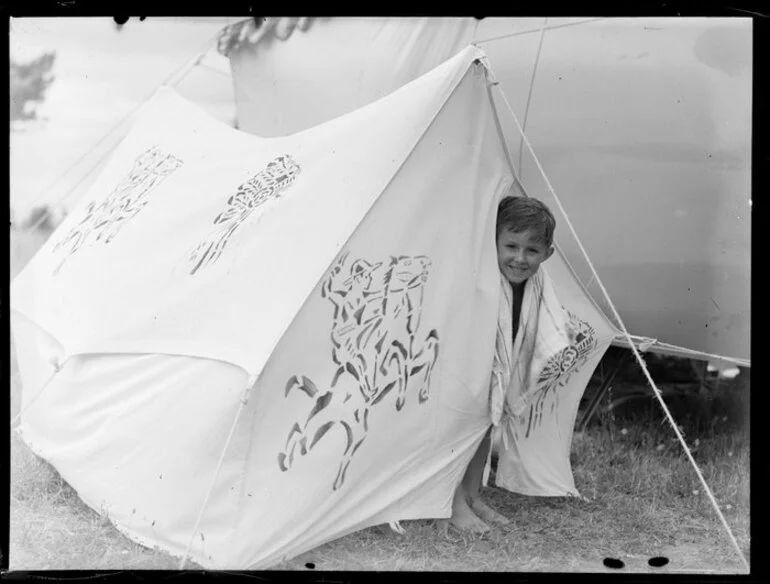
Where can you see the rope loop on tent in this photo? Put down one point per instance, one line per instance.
(627, 335)
(58, 365)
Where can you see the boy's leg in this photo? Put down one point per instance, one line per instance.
(463, 516)
(473, 479)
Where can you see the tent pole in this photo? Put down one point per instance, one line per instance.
(601, 392)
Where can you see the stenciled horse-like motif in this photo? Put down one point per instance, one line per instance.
(267, 184)
(374, 335)
(104, 219)
(560, 366)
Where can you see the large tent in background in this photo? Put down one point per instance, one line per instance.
(643, 127)
(241, 348)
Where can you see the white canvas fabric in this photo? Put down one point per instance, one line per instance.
(266, 344)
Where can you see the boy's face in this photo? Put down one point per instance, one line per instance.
(519, 254)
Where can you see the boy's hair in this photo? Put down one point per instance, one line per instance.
(518, 213)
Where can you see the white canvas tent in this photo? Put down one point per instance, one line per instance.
(189, 339)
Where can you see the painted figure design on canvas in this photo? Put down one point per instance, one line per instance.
(560, 367)
(104, 219)
(376, 342)
(269, 183)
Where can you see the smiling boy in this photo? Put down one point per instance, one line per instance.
(525, 228)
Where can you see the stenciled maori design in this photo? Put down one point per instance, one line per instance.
(267, 184)
(104, 219)
(376, 343)
(560, 367)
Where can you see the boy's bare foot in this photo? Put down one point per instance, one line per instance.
(465, 519)
(486, 512)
